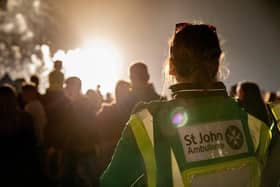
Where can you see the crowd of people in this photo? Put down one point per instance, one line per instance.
(70, 136)
(65, 138)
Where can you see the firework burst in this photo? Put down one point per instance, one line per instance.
(27, 27)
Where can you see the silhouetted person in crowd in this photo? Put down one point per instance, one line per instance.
(141, 89)
(56, 77)
(19, 82)
(6, 79)
(98, 91)
(79, 157)
(111, 120)
(56, 105)
(18, 158)
(272, 97)
(35, 80)
(54, 93)
(94, 99)
(54, 102)
(73, 86)
(108, 99)
(34, 107)
(249, 96)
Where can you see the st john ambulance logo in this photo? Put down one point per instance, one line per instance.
(205, 141)
(234, 137)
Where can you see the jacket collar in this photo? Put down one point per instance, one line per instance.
(196, 90)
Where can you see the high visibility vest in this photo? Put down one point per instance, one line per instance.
(223, 152)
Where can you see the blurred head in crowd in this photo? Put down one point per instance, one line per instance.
(94, 99)
(109, 98)
(232, 92)
(272, 97)
(250, 97)
(29, 93)
(139, 75)
(8, 99)
(122, 91)
(19, 82)
(73, 86)
(58, 65)
(248, 91)
(35, 80)
(194, 54)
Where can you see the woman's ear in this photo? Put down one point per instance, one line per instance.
(171, 68)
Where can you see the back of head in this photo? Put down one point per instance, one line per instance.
(195, 53)
(272, 97)
(35, 79)
(58, 65)
(29, 92)
(8, 99)
(139, 73)
(19, 82)
(250, 97)
(73, 82)
(249, 91)
(122, 91)
(94, 98)
(73, 87)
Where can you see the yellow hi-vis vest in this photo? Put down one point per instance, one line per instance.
(243, 171)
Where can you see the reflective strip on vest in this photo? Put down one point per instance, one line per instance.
(176, 174)
(261, 135)
(145, 119)
(242, 172)
(142, 128)
(255, 129)
(275, 109)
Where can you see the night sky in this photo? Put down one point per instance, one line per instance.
(249, 31)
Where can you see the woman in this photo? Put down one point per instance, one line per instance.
(199, 138)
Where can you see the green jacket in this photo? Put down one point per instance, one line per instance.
(200, 138)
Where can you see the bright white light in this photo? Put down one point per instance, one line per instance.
(21, 23)
(96, 63)
(36, 5)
